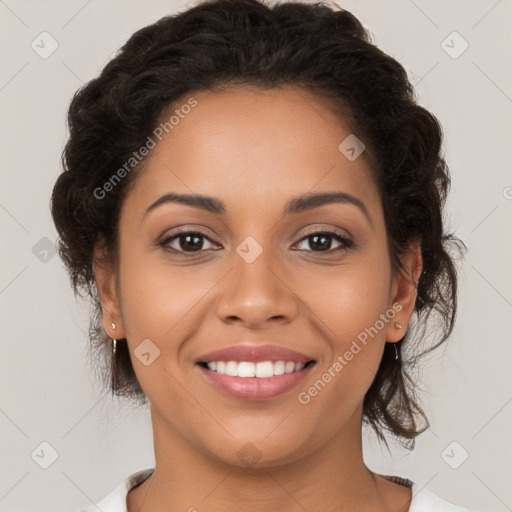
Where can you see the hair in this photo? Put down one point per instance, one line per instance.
(219, 44)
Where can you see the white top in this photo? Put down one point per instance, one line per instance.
(423, 500)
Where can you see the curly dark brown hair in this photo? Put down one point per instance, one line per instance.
(224, 43)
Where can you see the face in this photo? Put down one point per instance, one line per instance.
(315, 278)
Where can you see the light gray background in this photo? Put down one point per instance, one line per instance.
(48, 391)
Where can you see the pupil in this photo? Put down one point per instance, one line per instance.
(325, 245)
(196, 245)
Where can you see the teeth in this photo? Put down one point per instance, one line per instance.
(246, 369)
(232, 368)
(279, 367)
(263, 369)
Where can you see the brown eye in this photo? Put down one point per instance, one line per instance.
(322, 241)
(186, 242)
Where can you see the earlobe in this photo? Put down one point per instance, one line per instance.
(105, 278)
(404, 292)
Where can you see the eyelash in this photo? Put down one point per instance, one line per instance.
(346, 242)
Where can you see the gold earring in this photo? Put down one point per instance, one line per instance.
(398, 325)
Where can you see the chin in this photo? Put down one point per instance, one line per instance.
(256, 453)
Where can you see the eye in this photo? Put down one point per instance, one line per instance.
(322, 240)
(186, 242)
(193, 242)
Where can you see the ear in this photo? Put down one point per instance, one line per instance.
(105, 277)
(403, 291)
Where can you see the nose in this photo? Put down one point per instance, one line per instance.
(257, 293)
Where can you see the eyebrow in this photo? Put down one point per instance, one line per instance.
(295, 205)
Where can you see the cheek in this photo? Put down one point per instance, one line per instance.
(160, 303)
(157, 305)
(351, 304)
(154, 296)
(352, 299)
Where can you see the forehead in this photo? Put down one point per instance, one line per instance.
(252, 147)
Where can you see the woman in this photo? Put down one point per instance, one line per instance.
(253, 200)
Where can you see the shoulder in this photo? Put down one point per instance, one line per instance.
(424, 500)
(116, 500)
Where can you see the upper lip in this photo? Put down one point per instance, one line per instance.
(255, 354)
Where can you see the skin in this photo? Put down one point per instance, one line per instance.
(255, 150)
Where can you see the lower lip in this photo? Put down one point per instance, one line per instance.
(255, 388)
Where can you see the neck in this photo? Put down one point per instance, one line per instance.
(335, 476)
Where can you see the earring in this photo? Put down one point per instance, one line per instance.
(114, 342)
(398, 325)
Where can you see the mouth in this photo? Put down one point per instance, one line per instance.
(254, 381)
(249, 369)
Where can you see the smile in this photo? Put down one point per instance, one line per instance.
(262, 369)
(247, 380)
